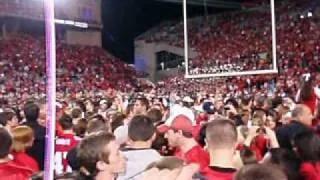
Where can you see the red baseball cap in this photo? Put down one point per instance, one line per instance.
(180, 122)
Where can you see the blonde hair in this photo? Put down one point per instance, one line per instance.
(22, 136)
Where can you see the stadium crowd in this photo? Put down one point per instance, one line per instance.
(107, 128)
(242, 40)
(22, 69)
(211, 136)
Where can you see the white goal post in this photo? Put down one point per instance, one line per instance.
(242, 73)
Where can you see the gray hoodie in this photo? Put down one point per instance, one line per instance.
(137, 161)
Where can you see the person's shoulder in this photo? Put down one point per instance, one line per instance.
(14, 167)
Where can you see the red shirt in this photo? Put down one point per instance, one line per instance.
(218, 173)
(26, 160)
(64, 143)
(310, 171)
(260, 146)
(312, 102)
(13, 171)
(195, 155)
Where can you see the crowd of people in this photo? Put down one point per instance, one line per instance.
(242, 40)
(110, 127)
(212, 136)
(23, 73)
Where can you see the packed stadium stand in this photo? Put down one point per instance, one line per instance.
(237, 41)
(111, 126)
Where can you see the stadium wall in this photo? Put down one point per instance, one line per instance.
(89, 38)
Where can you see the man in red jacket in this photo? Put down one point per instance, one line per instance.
(9, 169)
(178, 130)
(221, 135)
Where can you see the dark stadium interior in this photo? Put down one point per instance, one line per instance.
(126, 19)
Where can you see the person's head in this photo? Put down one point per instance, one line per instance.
(96, 125)
(141, 106)
(272, 119)
(261, 172)
(42, 113)
(286, 159)
(258, 118)
(99, 154)
(259, 101)
(248, 156)
(155, 115)
(23, 137)
(66, 122)
(177, 130)
(117, 122)
(104, 104)
(80, 128)
(307, 145)
(8, 119)
(221, 134)
(218, 105)
(6, 143)
(306, 89)
(303, 114)
(31, 112)
(129, 110)
(267, 104)
(76, 113)
(141, 129)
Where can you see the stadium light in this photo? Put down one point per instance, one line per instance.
(310, 14)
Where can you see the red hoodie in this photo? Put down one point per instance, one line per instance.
(13, 171)
(310, 171)
(26, 160)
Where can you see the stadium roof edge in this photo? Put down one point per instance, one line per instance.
(209, 3)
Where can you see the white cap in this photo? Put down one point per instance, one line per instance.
(103, 101)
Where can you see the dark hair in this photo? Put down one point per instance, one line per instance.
(221, 133)
(288, 162)
(248, 156)
(31, 112)
(155, 115)
(144, 102)
(66, 122)
(80, 127)
(76, 113)
(117, 122)
(141, 128)
(202, 135)
(306, 90)
(246, 100)
(308, 146)
(5, 141)
(97, 125)
(91, 150)
(261, 172)
(129, 109)
(98, 117)
(5, 117)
